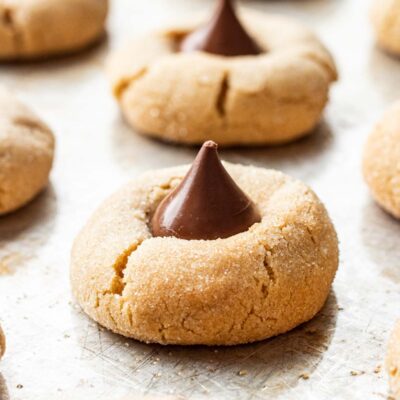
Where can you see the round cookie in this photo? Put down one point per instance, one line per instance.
(26, 154)
(385, 17)
(393, 361)
(244, 288)
(190, 97)
(381, 165)
(2, 343)
(32, 29)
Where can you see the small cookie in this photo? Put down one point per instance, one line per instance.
(32, 29)
(169, 286)
(381, 165)
(26, 154)
(385, 17)
(2, 342)
(192, 96)
(393, 361)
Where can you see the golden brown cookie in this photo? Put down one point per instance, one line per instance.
(26, 153)
(381, 165)
(41, 28)
(393, 361)
(244, 288)
(2, 342)
(273, 97)
(385, 17)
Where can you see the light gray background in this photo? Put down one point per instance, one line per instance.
(54, 350)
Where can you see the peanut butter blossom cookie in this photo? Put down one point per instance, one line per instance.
(261, 82)
(385, 16)
(215, 254)
(381, 161)
(41, 28)
(2, 342)
(26, 153)
(393, 362)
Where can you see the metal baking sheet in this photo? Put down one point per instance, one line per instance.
(54, 350)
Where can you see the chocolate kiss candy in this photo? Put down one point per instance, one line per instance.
(207, 204)
(223, 35)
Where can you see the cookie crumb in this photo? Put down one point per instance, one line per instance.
(242, 372)
(378, 369)
(357, 373)
(304, 376)
(19, 386)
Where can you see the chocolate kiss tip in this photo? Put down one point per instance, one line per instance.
(223, 35)
(210, 143)
(207, 204)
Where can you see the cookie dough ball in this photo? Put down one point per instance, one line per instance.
(190, 97)
(381, 165)
(2, 342)
(247, 287)
(26, 154)
(40, 28)
(385, 16)
(393, 361)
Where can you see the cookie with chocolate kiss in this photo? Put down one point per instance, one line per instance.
(213, 253)
(237, 78)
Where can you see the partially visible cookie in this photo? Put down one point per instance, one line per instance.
(385, 17)
(393, 361)
(26, 153)
(381, 162)
(41, 28)
(2, 342)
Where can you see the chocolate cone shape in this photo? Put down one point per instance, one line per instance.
(207, 204)
(223, 35)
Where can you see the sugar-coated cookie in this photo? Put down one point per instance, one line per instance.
(385, 17)
(252, 285)
(393, 362)
(26, 153)
(2, 342)
(381, 164)
(192, 96)
(41, 28)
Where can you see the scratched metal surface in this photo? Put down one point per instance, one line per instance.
(54, 350)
